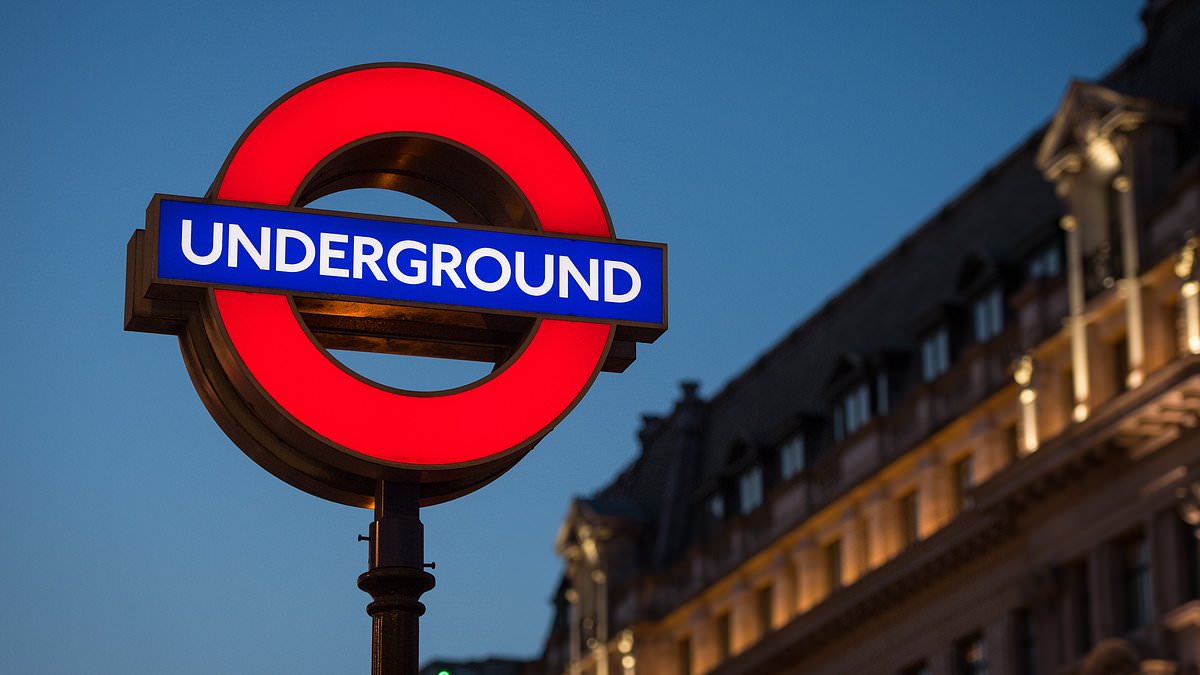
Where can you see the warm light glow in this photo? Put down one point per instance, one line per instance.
(625, 642)
(1191, 315)
(1135, 378)
(1080, 413)
(1029, 435)
(1023, 375)
(1103, 155)
(1187, 259)
(628, 661)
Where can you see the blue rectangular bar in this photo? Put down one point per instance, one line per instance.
(359, 256)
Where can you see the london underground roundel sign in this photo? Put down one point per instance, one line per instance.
(259, 288)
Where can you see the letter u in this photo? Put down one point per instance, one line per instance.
(190, 253)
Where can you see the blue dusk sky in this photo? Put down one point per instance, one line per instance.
(777, 148)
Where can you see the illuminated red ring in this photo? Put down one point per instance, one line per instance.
(505, 411)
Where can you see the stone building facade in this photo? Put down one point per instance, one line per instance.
(982, 456)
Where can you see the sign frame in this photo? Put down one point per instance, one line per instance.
(442, 168)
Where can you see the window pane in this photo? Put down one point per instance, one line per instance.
(987, 315)
(791, 457)
(1025, 643)
(716, 507)
(1135, 581)
(832, 554)
(750, 489)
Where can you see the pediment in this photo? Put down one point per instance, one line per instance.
(1089, 111)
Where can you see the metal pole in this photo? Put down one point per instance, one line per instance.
(395, 578)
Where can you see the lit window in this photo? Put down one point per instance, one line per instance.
(853, 411)
(987, 314)
(791, 457)
(935, 354)
(750, 489)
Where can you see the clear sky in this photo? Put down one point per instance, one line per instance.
(778, 148)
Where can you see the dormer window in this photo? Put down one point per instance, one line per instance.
(935, 354)
(750, 489)
(1046, 263)
(716, 506)
(987, 314)
(791, 457)
(852, 411)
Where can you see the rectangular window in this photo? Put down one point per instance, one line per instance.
(791, 457)
(910, 518)
(1134, 556)
(970, 656)
(935, 354)
(962, 475)
(987, 314)
(1024, 643)
(724, 638)
(1046, 263)
(832, 555)
(853, 411)
(683, 651)
(1120, 365)
(716, 506)
(1190, 545)
(1080, 609)
(750, 489)
(765, 601)
(1012, 442)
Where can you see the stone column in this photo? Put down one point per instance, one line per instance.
(1077, 323)
(784, 594)
(1131, 285)
(931, 499)
(882, 528)
(809, 582)
(854, 547)
(742, 617)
